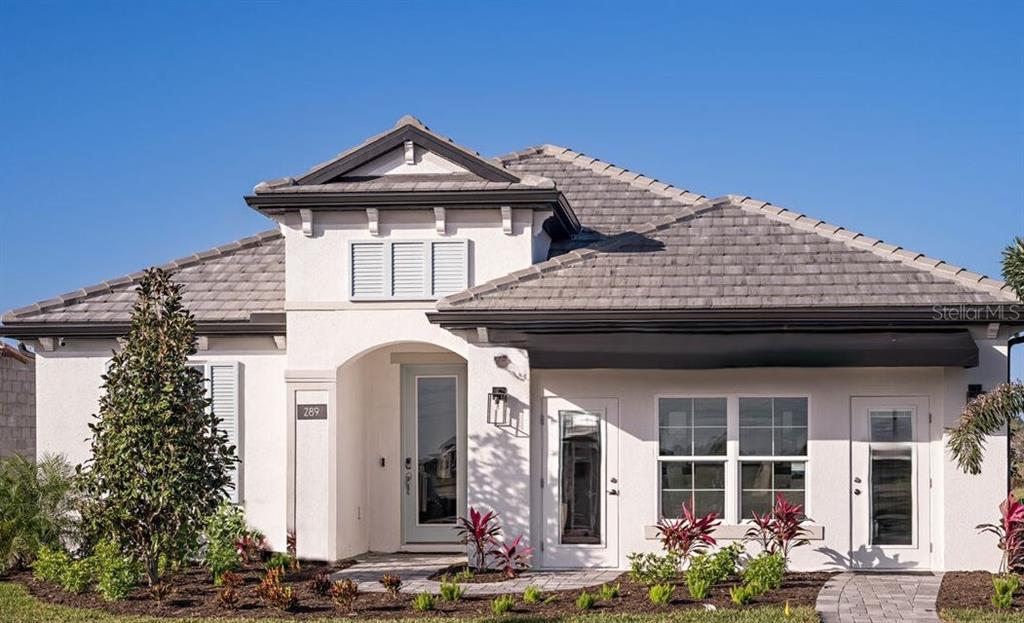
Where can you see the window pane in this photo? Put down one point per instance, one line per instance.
(892, 502)
(708, 501)
(675, 475)
(755, 411)
(760, 501)
(709, 441)
(790, 476)
(708, 476)
(790, 441)
(675, 442)
(581, 486)
(672, 502)
(756, 475)
(675, 411)
(892, 425)
(709, 412)
(756, 441)
(436, 409)
(790, 411)
(793, 497)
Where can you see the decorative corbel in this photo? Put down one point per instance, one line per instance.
(48, 343)
(281, 342)
(506, 220)
(202, 342)
(482, 335)
(373, 219)
(993, 330)
(410, 153)
(307, 221)
(439, 221)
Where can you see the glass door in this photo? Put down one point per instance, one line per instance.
(889, 483)
(433, 452)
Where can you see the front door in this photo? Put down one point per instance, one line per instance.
(433, 485)
(890, 488)
(581, 490)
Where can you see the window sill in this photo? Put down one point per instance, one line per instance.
(735, 532)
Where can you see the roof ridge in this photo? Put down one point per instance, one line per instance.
(857, 240)
(107, 287)
(607, 169)
(576, 256)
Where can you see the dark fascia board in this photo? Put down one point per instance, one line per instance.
(474, 164)
(118, 329)
(584, 321)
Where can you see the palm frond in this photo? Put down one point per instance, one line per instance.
(1013, 266)
(985, 415)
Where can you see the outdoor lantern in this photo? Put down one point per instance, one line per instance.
(497, 407)
(973, 391)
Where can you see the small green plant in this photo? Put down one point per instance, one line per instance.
(463, 576)
(50, 564)
(344, 593)
(698, 587)
(651, 568)
(765, 572)
(608, 592)
(222, 531)
(707, 570)
(742, 595)
(660, 594)
(451, 591)
(278, 561)
(532, 595)
(586, 601)
(392, 583)
(1005, 586)
(78, 576)
(502, 604)
(424, 602)
(116, 574)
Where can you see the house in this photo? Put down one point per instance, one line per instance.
(574, 345)
(17, 401)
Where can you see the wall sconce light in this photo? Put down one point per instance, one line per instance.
(973, 391)
(497, 406)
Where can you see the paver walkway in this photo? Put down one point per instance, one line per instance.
(414, 569)
(879, 597)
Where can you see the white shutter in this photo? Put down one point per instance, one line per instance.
(224, 386)
(408, 269)
(367, 269)
(449, 266)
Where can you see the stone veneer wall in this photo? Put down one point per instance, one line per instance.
(17, 407)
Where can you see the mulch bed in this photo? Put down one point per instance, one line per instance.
(195, 596)
(972, 589)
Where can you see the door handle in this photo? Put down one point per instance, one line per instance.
(613, 491)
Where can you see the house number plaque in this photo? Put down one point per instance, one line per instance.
(311, 411)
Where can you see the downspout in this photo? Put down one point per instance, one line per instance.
(1013, 341)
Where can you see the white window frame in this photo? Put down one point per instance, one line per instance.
(428, 268)
(732, 459)
(718, 459)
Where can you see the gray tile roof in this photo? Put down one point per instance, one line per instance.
(399, 183)
(229, 282)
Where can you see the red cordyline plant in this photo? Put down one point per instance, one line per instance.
(780, 529)
(1010, 532)
(481, 530)
(688, 534)
(512, 557)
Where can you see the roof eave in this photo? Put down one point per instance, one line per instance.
(258, 324)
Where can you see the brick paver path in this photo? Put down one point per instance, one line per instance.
(879, 597)
(414, 569)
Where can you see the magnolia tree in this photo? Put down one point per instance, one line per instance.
(989, 413)
(160, 465)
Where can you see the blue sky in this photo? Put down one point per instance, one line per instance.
(129, 131)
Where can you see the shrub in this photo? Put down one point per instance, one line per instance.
(502, 604)
(1010, 532)
(161, 591)
(479, 530)
(532, 594)
(725, 561)
(586, 601)
(1005, 586)
(765, 572)
(227, 597)
(232, 579)
(320, 583)
(37, 501)
(279, 561)
(707, 570)
(742, 595)
(50, 564)
(451, 591)
(344, 593)
(607, 592)
(698, 586)
(512, 557)
(650, 568)
(780, 529)
(222, 532)
(392, 583)
(465, 575)
(274, 594)
(423, 602)
(660, 594)
(78, 576)
(161, 463)
(251, 545)
(116, 574)
(689, 534)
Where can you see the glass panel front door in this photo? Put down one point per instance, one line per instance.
(892, 496)
(580, 477)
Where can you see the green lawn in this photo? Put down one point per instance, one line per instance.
(17, 606)
(958, 615)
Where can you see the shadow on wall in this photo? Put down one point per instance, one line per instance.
(509, 416)
(500, 476)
